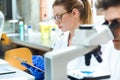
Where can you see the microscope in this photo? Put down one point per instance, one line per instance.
(86, 40)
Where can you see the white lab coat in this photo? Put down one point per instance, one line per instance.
(110, 64)
(60, 40)
(111, 57)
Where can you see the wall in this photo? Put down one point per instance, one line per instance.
(30, 12)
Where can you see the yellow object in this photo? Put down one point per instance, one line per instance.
(45, 30)
(4, 39)
(23, 53)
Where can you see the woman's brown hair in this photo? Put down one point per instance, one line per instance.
(82, 5)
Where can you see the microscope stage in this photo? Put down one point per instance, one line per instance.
(88, 75)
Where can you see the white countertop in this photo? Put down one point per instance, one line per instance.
(33, 41)
(18, 75)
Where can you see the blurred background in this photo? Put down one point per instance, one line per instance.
(31, 12)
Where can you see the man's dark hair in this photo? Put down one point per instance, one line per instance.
(105, 4)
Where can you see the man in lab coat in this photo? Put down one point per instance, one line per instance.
(111, 51)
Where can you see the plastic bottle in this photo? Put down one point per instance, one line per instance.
(29, 32)
(52, 34)
(21, 30)
(26, 31)
(45, 31)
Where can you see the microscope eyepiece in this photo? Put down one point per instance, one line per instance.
(113, 26)
(86, 27)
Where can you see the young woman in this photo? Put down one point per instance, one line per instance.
(68, 15)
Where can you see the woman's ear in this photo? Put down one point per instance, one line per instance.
(75, 11)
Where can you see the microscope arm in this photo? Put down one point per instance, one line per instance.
(58, 71)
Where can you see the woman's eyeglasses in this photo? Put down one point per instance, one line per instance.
(58, 18)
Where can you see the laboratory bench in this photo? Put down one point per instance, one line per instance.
(34, 42)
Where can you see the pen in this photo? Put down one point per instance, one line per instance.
(24, 61)
(7, 72)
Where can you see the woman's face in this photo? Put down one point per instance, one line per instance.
(113, 14)
(65, 21)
